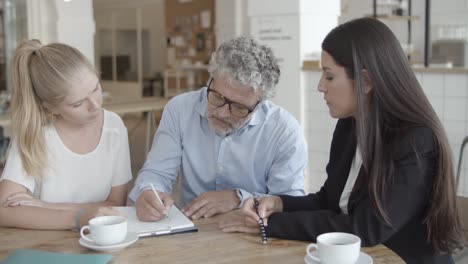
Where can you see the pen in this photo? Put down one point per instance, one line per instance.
(260, 223)
(157, 196)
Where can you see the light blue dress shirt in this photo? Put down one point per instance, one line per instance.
(266, 156)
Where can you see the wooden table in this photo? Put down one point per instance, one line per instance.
(208, 245)
(121, 106)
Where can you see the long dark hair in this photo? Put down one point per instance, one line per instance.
(397, 102)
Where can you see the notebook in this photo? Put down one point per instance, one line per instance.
(44, 257)
(175, 223)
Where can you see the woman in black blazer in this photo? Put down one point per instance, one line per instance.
(390, 174)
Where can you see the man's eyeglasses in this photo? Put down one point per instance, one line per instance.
(236, 109)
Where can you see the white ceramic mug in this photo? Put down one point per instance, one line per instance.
(334, 248)
(106, 230)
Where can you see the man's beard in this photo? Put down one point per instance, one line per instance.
(233, 127)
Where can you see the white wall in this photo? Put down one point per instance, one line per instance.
(281, 33)
(293, 29)
(232, 20)
(447, 92)
(71, 23)
(318, 131)
(75, 25)
(317, 19)
(42, 20)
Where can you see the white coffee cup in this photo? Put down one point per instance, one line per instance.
(106, 230)
(335, 248)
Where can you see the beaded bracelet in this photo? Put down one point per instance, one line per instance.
(77, 219)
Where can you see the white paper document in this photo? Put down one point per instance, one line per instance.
(176, 222)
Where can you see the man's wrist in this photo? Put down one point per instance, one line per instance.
(148, 188)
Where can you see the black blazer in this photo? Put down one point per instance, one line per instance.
(407, 198)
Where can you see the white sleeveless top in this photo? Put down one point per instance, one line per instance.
(76, 178)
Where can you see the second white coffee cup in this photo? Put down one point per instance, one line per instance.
(335, 248)
(105, 230)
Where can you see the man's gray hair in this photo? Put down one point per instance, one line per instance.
(248, 63)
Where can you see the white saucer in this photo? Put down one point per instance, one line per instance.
(363, 259)
(130, 239)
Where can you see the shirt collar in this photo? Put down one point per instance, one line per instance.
(258, 116)
(200, 107)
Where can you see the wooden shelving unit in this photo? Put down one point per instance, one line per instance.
(395, 17)
(409, 18)
(405, 18)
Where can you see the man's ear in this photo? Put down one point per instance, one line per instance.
(366, 81)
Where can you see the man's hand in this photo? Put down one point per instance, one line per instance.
(211, 203)
(148, 207)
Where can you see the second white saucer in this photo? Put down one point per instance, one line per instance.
(363, 259)
(130, 239)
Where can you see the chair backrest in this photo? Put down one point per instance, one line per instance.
(462, 201)
(460, 161)
(122, 91)
(4, 143)
(175, 82)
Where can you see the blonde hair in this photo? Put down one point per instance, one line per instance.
(42, 76)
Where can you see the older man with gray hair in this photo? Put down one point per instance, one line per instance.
(227, 141)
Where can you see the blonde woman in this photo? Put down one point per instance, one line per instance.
(69, 159)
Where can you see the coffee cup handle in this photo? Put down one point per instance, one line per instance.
(83, 235)
(310, 255)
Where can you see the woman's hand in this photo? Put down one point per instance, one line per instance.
(246, 220)
(25, 199)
